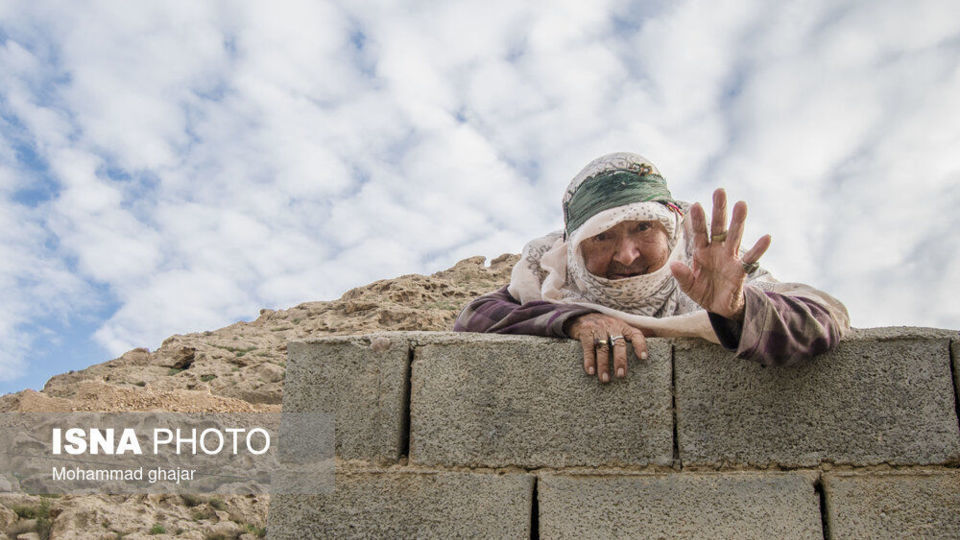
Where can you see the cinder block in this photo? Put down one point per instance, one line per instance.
(526, 401)
(955, 353)
(361, 380)
(885, 395)
(687, 505)
(901, 504)
(409, 505)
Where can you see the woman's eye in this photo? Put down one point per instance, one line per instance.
(640, 227)
(601, 237)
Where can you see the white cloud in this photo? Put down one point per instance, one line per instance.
(36, 284)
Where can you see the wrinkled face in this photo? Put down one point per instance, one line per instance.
(627, 249)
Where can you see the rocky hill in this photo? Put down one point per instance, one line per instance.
(238, 368)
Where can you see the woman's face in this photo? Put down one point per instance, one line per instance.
(627, 249)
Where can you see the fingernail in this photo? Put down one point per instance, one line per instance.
(620, 372)
(643, 355)
(605, 377)
(590, 370)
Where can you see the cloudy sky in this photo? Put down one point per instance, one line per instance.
(170, 167)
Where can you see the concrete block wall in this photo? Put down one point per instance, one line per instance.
(453, 435)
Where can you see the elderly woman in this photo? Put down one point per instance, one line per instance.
(632, 262)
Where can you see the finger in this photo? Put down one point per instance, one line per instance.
(620, 357)
(683, 274)
(719, 222)
(698, 222)
(757, 250)
(589, 353)
(639, 342)
(735, 234)
(603, 360)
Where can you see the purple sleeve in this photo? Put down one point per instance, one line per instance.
(778, 329)
(500, 313)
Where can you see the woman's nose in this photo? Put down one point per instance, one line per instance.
(627, 251)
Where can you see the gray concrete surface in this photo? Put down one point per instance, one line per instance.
(362, 381)
(884, 395)
(902, 504)
(687, 505)
(955, 354)
(409, 505)
(526, 401)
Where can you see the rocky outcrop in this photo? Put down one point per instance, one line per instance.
(243, 364)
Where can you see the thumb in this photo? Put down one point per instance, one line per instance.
(683, 274)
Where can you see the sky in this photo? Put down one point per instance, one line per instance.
(173, 166)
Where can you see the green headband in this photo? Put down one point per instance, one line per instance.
(612, 189)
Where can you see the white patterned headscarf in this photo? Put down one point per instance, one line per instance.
(609, 190)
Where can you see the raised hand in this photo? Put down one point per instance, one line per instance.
(716, 278)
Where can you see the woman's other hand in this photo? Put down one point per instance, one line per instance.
(598, 334)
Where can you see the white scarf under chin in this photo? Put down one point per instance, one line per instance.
(553, 269)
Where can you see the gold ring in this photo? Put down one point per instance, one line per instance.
(750, 268)
(719, 237)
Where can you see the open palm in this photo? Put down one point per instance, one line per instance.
(715, 280)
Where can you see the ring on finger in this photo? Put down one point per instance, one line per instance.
(613, 339)
(600, 343)
(750, 268)
(718, 237)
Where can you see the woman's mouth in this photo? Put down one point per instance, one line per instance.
(625, 275)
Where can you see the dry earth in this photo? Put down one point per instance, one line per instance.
(238, 368)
